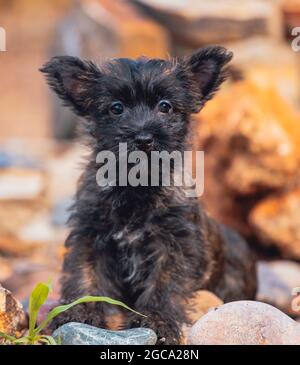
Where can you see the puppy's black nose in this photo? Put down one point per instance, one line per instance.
(144, 140)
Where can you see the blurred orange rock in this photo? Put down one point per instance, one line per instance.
(12, 246)
(201, 303)
(103, 28)
(276, 221)
(194, 23)
(12, 315)
(291, 14)
(137, 34)
(251, 139)
(259, 131)
(270, 64)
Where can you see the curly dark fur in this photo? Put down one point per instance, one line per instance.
(151, 247)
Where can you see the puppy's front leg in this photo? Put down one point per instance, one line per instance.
(164, 317)
(163, 324)
(80, 279)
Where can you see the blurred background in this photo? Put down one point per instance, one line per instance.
(250, 132)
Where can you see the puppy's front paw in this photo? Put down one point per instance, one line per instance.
(167, 330)
(82, 313)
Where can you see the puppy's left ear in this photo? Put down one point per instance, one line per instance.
(74, 81)
(207, 69)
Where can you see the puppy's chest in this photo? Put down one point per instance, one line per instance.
(140, 233)
(152, 230)
(130, 243)
(128, 236)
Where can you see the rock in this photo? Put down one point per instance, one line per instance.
(82, 334)
(241, 164)
(12, 316)
(13, 246)
(276, 282)
(291, 15)
(276, 222)
(195, 23)
(255, 162)
(258, 61)
(245, 323)
(202, 302)
(136, 33)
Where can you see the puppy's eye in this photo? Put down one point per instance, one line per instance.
(164, 106)
(116, 108)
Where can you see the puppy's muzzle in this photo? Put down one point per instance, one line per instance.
(144, 141)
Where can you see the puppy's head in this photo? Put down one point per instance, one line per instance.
(145, 102)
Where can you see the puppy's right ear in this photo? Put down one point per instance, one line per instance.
(73, 80)
(208, 71)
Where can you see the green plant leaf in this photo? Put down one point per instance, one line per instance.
(37, 298)
(87, 299)
(22, 341)
(49, 340)
(7, 337)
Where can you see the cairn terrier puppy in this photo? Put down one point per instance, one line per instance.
(151, 247)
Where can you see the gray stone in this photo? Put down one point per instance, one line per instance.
(83, 334)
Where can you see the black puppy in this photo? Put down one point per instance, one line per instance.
(151, 247)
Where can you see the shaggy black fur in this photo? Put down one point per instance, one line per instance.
(151, 247)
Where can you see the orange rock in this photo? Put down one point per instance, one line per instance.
(268, 63)
(137, 34)
(13, 246)
(291, 14)
(201, 303)
(194, 23)
(131, 33)
(260, 134)
(251, 140)
(276, 221)
(12, 316)
(282, 76)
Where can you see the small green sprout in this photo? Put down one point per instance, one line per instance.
(37, 298)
